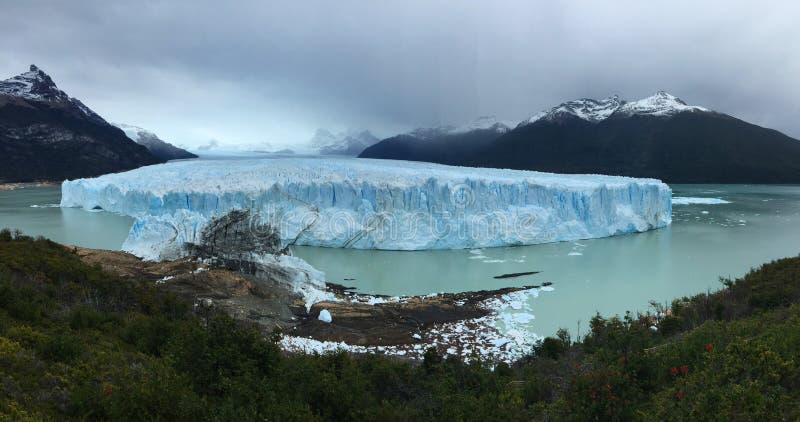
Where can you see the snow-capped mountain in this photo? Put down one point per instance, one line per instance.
(38, 86)
(659, 136)
(47, 135)
(350, 143)
(585, 109)
(152, 142)
(660, 104)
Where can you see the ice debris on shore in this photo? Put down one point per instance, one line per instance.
(503, 336)
(325, 316)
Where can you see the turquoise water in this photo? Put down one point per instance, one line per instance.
(608, 275)
(35, 212)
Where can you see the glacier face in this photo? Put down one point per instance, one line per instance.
(372, 204)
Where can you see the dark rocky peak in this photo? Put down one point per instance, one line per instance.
(34, 84)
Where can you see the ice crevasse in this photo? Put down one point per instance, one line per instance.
(371, 204)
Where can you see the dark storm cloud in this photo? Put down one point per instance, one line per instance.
(252, 72)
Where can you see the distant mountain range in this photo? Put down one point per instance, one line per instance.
(350, 143)
(442, 144)
(45, 135)
(658, 136)
(152, 142)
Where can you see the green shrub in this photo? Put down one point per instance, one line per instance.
(83, 316)
(61, 347)
(551, 348)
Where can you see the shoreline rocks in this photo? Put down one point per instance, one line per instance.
(460, 324)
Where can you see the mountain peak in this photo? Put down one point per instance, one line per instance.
(665, 96)
(36, 85)
(33, 85)
(585, 108)
(157, 146)
(661, 103)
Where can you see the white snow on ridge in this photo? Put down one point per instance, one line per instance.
(372, 204)
(36, 85)
(660, 104)
(32, 85)
(132, 132)
(586, 109)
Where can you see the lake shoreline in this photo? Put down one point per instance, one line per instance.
(24, 185)
(601, 275)
(455, 324)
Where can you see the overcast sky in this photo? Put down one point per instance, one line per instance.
(272, 72)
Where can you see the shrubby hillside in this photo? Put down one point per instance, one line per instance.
(78, 343)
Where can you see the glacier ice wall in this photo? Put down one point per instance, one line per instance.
(372, 204)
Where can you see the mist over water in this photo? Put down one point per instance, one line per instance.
(609, 275)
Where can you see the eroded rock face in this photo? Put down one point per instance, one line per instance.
(236, 236)
(240, 241)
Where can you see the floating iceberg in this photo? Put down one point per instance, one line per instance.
(686, 200)
(372, 204)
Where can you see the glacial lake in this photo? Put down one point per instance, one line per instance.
(609, 275)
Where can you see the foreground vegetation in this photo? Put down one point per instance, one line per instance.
(79, 343)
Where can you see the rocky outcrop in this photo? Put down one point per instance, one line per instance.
(239, 241)
(237, 235)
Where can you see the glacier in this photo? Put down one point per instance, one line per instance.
(371, 204)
